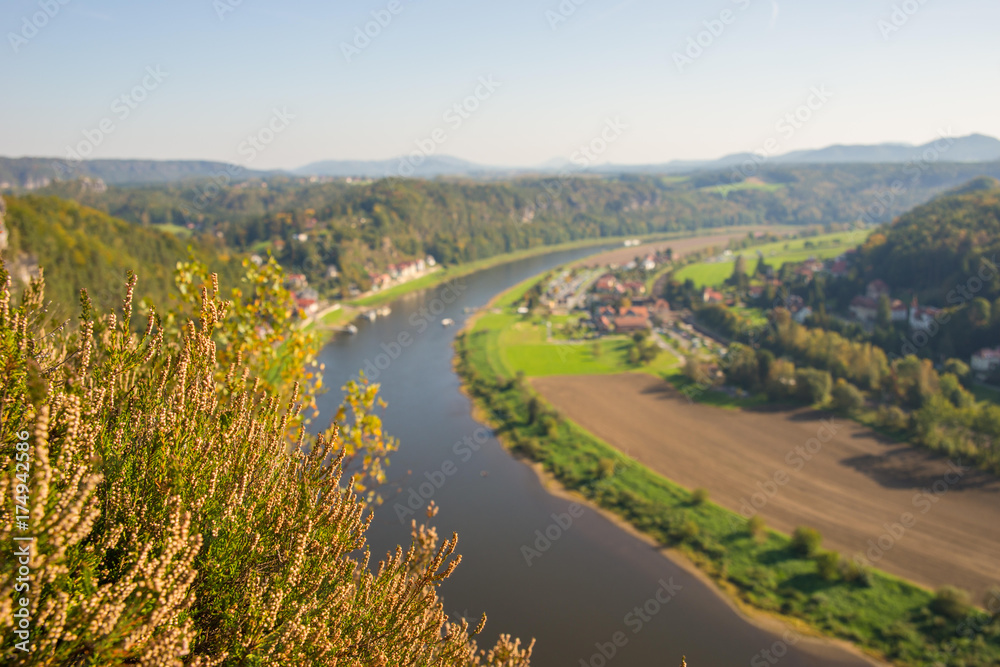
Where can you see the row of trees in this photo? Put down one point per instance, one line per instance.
(907, 395)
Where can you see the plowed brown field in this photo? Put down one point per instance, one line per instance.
(909, 513)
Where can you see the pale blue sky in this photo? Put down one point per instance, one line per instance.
(558, 87)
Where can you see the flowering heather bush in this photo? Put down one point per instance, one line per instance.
(182, 517)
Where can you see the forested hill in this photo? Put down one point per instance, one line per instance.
(81, 247)
(35, 172)
(359, 228)
(940, 245)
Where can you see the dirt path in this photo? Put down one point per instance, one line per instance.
(909, 513)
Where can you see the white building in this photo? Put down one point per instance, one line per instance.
(802, 314)
(985, 361)
(922, 318)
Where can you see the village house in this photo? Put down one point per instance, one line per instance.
(985, 361)
(634, 287)
(308, 300)
(922, 318)
(898, 312)
(864, 308)
(839, 267)
(710, 295)
(625, 320)
(606, 283)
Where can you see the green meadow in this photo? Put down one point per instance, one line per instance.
(776, 254)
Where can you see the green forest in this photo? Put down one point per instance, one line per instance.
(80, 247)
(360, 227)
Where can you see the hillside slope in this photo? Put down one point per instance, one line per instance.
(942, 244)
(82, 247)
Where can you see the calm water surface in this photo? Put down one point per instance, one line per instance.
(583, 592)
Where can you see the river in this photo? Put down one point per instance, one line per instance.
(593, 590)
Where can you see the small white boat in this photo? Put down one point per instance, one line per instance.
(371, 315)
(384, 311)
(447, 322)
(351, 329)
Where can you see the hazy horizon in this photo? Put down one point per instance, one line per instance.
(533, 81)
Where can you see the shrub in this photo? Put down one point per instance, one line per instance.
(188, 518)
(780, 383)
(846, 398)
(806, 541)
(854, 571)
(828, 565)
(893, 418)
(688, 531)
(699, 496)
(756, 526)
(812, 385)
(951, 602)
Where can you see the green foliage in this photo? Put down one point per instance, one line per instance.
(813, 386)
(846, 398)
(688, 531)
(951, 602)
(806, 541)
(828, 565)
(893, 418)
(856, 572)
(699, 496)
(84, 248)
(741, 366)
(183, 516)
(940, 245)
(780, 382)
(756, 526)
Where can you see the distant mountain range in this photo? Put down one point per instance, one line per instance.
(38, 172)
(972, 148)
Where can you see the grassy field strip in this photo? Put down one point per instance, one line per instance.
(775, 254)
